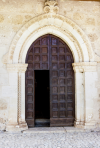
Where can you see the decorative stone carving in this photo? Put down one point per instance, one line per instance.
(62, 31)
(17, 67)
(51, 6)
(84, 67)
(19, 98)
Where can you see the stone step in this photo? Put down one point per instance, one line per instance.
(54, 130)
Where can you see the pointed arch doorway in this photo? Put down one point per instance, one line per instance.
(49, 54)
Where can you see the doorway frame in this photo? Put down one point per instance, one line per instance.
(85, 62)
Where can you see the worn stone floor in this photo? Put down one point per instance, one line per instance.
(45, 139)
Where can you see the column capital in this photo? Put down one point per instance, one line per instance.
(17, 67)
(84, 67)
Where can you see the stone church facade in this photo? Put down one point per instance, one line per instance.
(77, 23)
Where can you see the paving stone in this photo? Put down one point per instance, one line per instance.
(50, 140)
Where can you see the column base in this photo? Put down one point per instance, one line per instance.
(79, 124)
(23, 126)
(89, 125)
(12, 127)
(86, 125)
(15, 127)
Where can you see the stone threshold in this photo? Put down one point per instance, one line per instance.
(55, 130)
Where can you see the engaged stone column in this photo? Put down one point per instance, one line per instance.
(90, 78)
(79, 96)
(86, 75)
(21, 98)
(15, 96)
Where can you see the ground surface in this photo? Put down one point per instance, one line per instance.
(50, 140)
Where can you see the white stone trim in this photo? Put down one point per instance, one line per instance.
(51, 7)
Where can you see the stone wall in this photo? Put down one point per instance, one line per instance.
(14, 14)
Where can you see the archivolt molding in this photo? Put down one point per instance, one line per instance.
(50, 30)
(84, 67)
(62, 24)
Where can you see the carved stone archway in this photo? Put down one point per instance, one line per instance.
(57, 25)
(84, 65)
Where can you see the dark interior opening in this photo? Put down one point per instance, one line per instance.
(42, 98)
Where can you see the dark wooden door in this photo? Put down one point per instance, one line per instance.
(61, 84)
(51, 53)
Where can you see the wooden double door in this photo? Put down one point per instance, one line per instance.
(50, 53)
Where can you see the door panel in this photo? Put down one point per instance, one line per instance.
(51, 53)
(62, 109)
(29, 94)
(37, 59)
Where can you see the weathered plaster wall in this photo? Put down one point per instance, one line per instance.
(14, 14)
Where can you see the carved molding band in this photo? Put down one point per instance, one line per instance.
(84, 67)
(62, 31)
(17, 67)
(19, 98)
